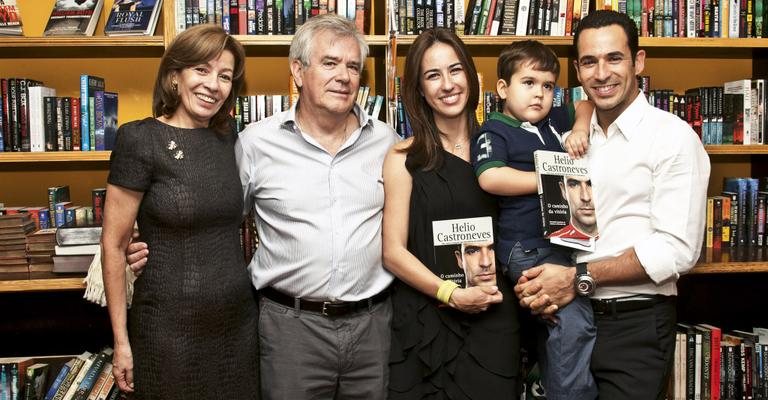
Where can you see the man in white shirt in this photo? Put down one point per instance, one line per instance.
(649, 174)
(313, 175)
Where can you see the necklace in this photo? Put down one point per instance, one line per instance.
(456, 147)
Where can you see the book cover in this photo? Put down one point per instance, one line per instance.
(567, 203)
(59, 379)
(98, 120)
(10, 18)
(73, 18)
(35, 381)
(37, 118)
(110, 120)
(89, 84)
(90, 377)
(133, 17)
(463, 251)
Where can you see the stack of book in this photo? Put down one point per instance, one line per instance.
(40, 251)
(75, 248)
(13, 256)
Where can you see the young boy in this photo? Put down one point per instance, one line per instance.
(503, 158)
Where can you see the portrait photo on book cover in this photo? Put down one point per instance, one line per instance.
(580, 221)
(464, 251)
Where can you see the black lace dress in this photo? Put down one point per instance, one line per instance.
(441, 353)
(193, 323)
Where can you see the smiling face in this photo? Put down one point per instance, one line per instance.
(607, 70)
(330, 82)
(443, 82)
(202, 90)
(480, 261)
(577, 190)
(528, 95)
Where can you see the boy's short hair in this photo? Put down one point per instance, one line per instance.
(524, 52)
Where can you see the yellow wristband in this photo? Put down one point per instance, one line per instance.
(445, 290)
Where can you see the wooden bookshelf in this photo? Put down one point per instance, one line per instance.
(55, 156)
(737, 149)
(42, 285)
(80, 42)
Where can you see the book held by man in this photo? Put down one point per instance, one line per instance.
(567, 203)
(463, 251)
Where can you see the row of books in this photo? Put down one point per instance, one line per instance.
(267, 17)
(693, 18)
(34, 119)
(80, 17)
(730, 114)
(712, 364)
(85, 377)
(490, 17)
(60, 211)
(737, 216)
(487, 103)
(257, 107)
(661, 18)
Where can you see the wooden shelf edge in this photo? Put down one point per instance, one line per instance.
(730, 268)
(88, 41)
(42, 285)
(54, 156)
(479, 40)
(736, 149)
(285, 40)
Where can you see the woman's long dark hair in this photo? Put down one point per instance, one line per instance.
(426, 150)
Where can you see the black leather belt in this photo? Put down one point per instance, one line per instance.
(626, 304)
(327, 308)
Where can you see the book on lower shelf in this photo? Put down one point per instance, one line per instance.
(567, 202)
(70, 235)
(72, 264)
(74, 18)
(463, 251)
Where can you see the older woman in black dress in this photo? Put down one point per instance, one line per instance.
(191, 331)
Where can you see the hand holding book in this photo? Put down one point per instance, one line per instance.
(475, 299)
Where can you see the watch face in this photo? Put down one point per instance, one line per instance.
(585, 285)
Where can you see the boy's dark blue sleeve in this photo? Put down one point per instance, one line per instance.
(489, 150)
(562, 118)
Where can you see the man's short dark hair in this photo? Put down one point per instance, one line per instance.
(524, 52)
(603, 18)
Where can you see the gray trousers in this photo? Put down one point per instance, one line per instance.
(305, 355)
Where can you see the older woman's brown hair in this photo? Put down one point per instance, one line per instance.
(197, 45)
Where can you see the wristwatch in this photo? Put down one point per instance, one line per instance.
(584, 283)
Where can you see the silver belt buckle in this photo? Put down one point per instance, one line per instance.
(325, 308)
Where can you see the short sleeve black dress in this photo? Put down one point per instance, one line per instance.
(193, 321)
(438, 352)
